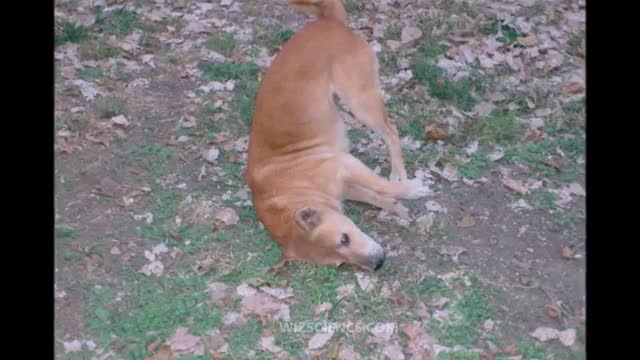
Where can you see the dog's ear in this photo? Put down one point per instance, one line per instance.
(307, 218)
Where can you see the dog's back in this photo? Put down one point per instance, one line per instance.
(294, 114)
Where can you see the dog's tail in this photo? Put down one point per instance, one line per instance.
(321, 8)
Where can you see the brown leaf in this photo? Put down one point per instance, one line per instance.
(466, 221)
(552, 163)
(64, 146)
(553, 310)
(172, 142)
(181, 341)
(175, 236)
(95, 140)
(528, 41)
(515, 185)
(322, 307)
(510, 349)
(203, 173)
(319, 340)
(567, 253)
(164, 353)
(435, 132)
(574, 87)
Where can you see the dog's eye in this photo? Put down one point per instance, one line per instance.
(345, 240)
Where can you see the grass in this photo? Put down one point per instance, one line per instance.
(98, 49)
(75, 123)
(244, 338)
(509, 35)
(438, 82)
(473, 310)
(117, 22)
(223, 71)
(478, 162)
(89, 74)
(429, 287)
(274, 36)
(110, 106)
(498, 128)
(71, 33)
(154, 310)
(224, 44)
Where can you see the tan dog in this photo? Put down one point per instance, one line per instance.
(299, 167)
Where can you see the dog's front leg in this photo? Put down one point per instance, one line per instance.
(353, 171)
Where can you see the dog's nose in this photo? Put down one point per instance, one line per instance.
(379, 263)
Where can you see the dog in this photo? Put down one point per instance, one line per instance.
(299, 168)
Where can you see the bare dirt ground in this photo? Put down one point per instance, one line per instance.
(159, 254)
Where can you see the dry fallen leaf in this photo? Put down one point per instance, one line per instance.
(347, 353)
(364, 281)
(120, 120)
(164, 353)
(267, 343)
(574, 87)
(211, 155)
(265, 307)
(466, 221)
(226, 216)
(409, 34)
(322, 307)
(567, 337)
(278, 293)
(528, 41)
(515, 185)
(553, 310)
(435, 132)
(567, 253)
(544, 333)
(182, 342)
(319, 340)
(345, 291)
(393, 352)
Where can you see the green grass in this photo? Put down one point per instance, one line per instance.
(71, 33)
(474, 310)
(89, 74)
(509, 34)
(531, 351)
(312, 285)
(98, 49)
(353, 6)
(118, 22)
(429, 287)
(108, 107)
(393, 32)
(575, 106)
(244, 339)
(438, 82)
(244, 100)
(223, 71)
(155, 309)
(543, 199)
(224, 44)
(274, 36)
(478, 162)
(497, 128)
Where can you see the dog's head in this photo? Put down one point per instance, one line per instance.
(325, 236)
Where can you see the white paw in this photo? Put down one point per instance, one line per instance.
(398, 176)
(417, 189)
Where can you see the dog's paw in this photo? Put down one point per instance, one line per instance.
(416, 189)
(397, 175)
(402, 211)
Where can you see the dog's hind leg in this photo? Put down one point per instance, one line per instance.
(356, 82)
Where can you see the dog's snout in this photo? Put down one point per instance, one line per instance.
(379, 262)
